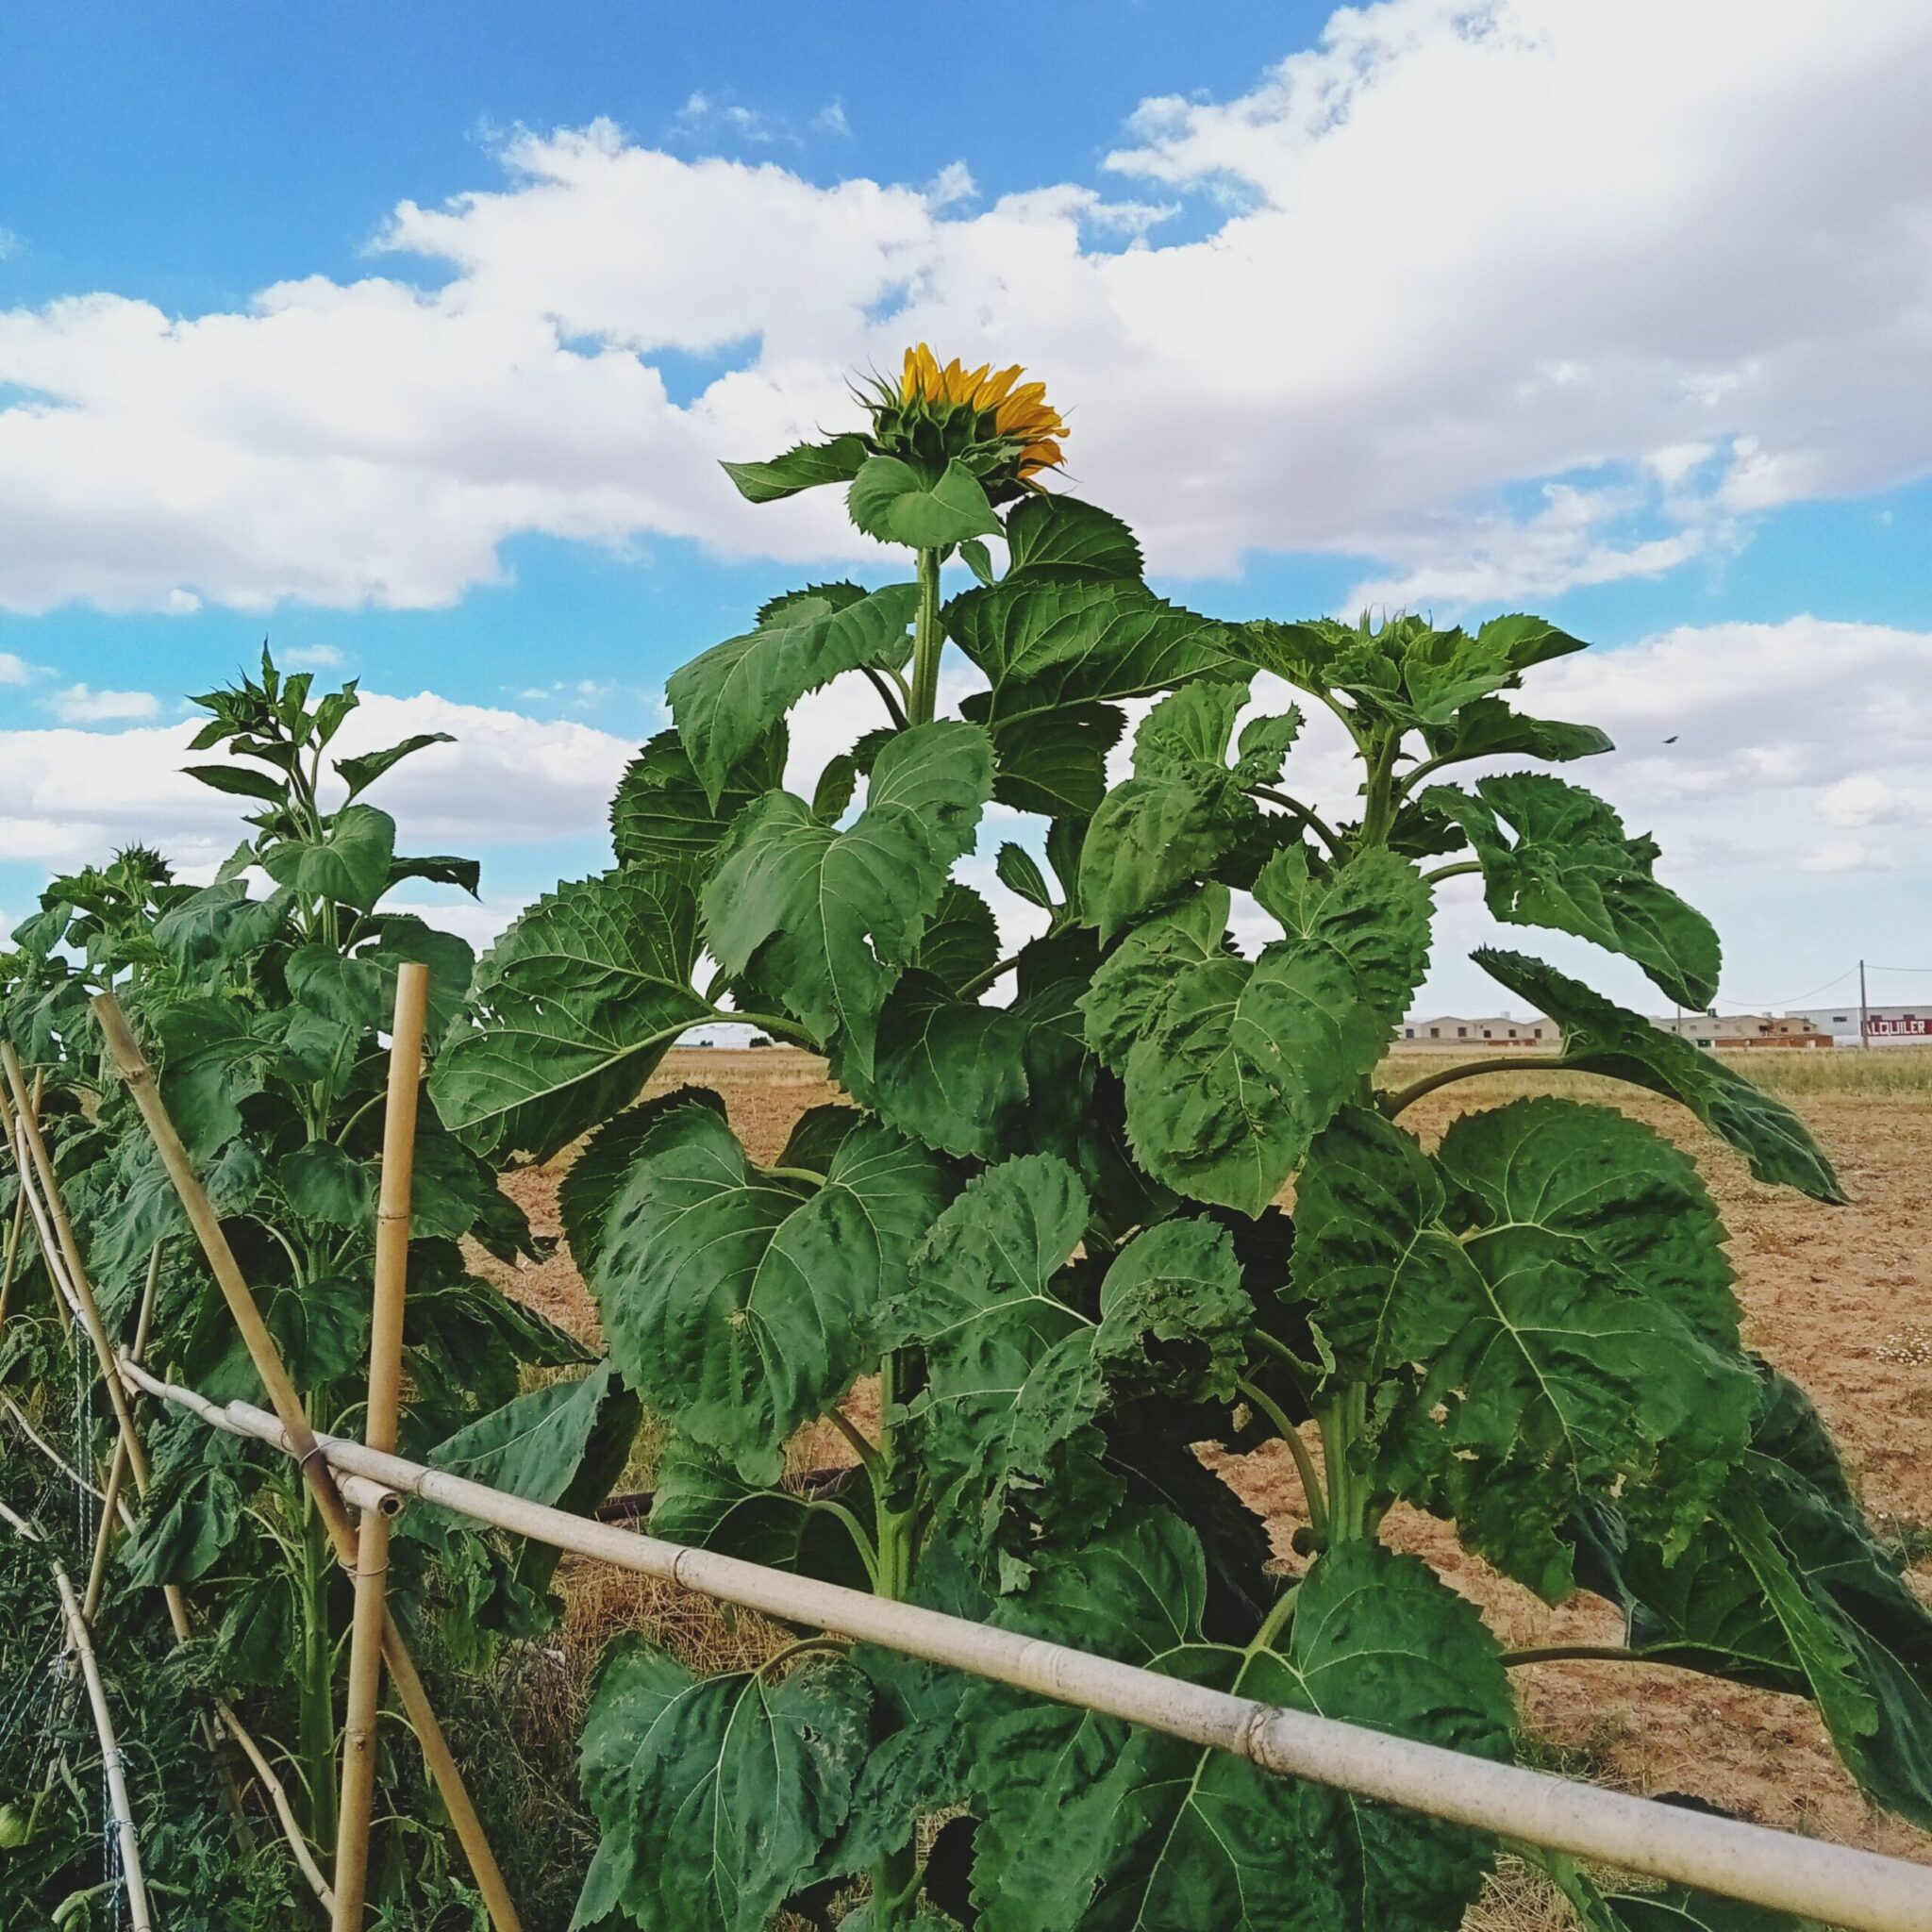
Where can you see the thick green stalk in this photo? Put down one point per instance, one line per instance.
(1378, 794)
(1394, 1101)
(928, 642)
(895, 1877)
(1345, 1421)
(315, 1685)
(1303, 1463)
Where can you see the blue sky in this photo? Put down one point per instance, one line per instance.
(1655, 401)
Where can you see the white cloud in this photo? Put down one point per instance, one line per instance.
(69, 796)
(1569, 542)
(312, 657)
(1454, 250)
(81, 704)
(12, 669)
(1783, 769)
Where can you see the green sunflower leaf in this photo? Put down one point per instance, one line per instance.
(572, 1009)
(949, 1072)
(718, 1796)
(563, 1444)
(1404, 672)
(701, 1500)
(1062, 539)
(1602, 1037)
(662, 818)
(1052, 763)
(804, 466)
(349, 864)
(1045, 645)
(829, 918)
(742, 1305)
(728, 698)
(1570, 866)
(1787, 1586)
(1488, 728)
(1091, 1824)
(960, 942)
(1016, 1374)
(1566, 1359)
(898, 504)
(1232, 1066)
(1678, 1908)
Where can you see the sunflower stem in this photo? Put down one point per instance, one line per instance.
(927, 642)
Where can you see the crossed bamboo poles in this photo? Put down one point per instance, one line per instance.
(374, 1639)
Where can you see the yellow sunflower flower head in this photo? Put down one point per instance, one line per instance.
(1004, 430)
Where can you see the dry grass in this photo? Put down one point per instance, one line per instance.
(1519, 1900)
(1892, 1073)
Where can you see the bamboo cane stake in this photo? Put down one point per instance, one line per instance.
(76, 1271)
(244, 1739)
(27, 1428)
(134, 1070)
(1859, 1890)
(278, 1796)
(63, 1255)
(15, 1225)
(117, 1470)
(131, 1872)
(18, 1224)
(382, 1413)
(43, 1231)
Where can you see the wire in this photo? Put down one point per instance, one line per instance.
(1765, 1005)
(1798, 999)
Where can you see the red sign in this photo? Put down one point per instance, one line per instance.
(1911, 1028)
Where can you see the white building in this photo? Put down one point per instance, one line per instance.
(1884, 1025)
(1727, 1032)
(1450, 1032)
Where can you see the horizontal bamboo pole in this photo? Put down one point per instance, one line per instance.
(1859, 1890)
(131, 1872)
(266, 1357)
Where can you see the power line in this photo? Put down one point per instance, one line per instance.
(1798, 999)
(1795, 998)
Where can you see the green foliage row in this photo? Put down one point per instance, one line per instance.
(1047, 1218)
(264, 999)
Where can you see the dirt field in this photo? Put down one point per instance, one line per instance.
(1840, 1299)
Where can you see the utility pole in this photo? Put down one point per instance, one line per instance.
(1864, 1023)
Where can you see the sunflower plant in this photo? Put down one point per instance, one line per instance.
(1127, 1189)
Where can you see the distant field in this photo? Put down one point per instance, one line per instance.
(1902, 1071)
